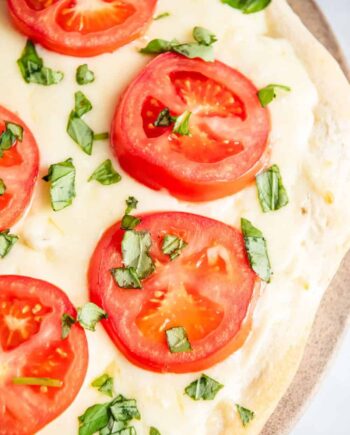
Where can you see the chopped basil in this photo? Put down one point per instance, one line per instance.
(130, 222)
(67, 322)
(204, 388)
(110, 418)
(126, 277)
(101, 136)
(105, 174)
(104, 384)
(33, 70)
(7, 241)
(271, 191)
(62, 189)
(165, 119)
(177, 340)
(8, 138)
(89, 315)
(131, 204)
(202, 48)
(256, 248)
(154, 431)
(82, 104)
(135, 248)
(83, 75)
(268, 94)
(246, 415)
(2, 187)
(248, 6)
(40, 382)
(172, 246)
(163, 15)
(182, 124)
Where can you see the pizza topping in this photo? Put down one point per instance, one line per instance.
(248, 6)
(104, 384)
(246, 415)
(129, 222)
(204, 388)
(271, 191)
(33, 70)
(67, 322)
(268, 94)
(182, 124)
(2, 187)
(256, 248)
(178, 340)
(172, 246)
(126, 277)
(9, 136)
(83, 75)
(154, 431)
(101, 136)
(106, 174)
(201, 49)
(162, 15)
(7, 241)
(89, 315)
(41, 382)
(62, 189)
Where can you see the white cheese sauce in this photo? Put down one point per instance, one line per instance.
(57, 246)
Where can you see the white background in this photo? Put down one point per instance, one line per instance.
(329, 412)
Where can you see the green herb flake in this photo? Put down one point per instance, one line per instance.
(182, 124)
(82, 104)
(256, 248)
(246, 415)
(161, 16)
(271, 191)
(2, 187)
(67, 321)
(165, 119)
(154, 431)
(8, 138)
(89, 315)
(40, 382)
(172, 246)
(130, 222)
(104, 384)
(62, 190)
(105, 174)
(204, 36)
(33, 70)
(94, 419)
(177, 340)
(204, 388)
(124, 409)
(101, 136)
(268, 94)
(7, 241)
(84, 76)
(126, 277)
(15, 129)
(248, 6)
(135, 248)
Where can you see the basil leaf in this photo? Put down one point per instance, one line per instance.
(104, 384)
(129, 222)
(15, 129)
(165, 119)
(182, 124)
(67, 322)
(163, 15)
(105, 174)
(89, 315)
(245, 414)
(154, 431)
(33, 70)
(271, 191)
(194, 50)
(113, 427)
(127, 431)
(82, 104)
(95, 418)
(177, 340)
(172, 246)
(40, 382)
(248, 6)
(62, 189)
(8, 138)
(7, 241)
(135, 248)
(124, 409)
(126, 277)
(204, 388)
(131, 204)
(268, 94)
(83, 75)
(101, 136)
(2, 187)
(256, 248)
(204, 36)
(158, 46)
(80, 132)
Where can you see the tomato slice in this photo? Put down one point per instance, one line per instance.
(31, 346)
(208, 290)
(229, 128)
(19, 167)
(82, 27)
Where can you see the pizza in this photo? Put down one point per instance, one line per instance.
(173, 205)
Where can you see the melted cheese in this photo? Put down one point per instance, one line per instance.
(57, 246)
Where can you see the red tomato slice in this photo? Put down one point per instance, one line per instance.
(31, 346)
(19, 168)
(82, 27)
(229, 128)
(207, 290)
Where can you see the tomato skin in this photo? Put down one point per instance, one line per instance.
(154, 161)
(25, 410)
(128, 309)
(42, 27)
(19, 169)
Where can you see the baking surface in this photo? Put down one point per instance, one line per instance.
(333, 313)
